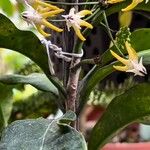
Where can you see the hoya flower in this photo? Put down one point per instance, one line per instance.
(132, 64)
(39, 20)
(74, 20)
(40, 4)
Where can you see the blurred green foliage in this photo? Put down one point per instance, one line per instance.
(9, 7)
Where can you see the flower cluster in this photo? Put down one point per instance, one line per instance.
(132, 64)
(39, 14)
(42, 11)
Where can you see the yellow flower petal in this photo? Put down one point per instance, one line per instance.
(114, 1)
(86, 24)
(124, 61)
(125, 18)
(43, 10)
(78, 33)
(132, 5)
(84, 13)
(52, 13)
(39, 2)
(121, 68)
(40, 30)
(132, 53)
(49, 25)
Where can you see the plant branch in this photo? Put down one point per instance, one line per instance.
(72, 84)
(92, 61)
(110, 34)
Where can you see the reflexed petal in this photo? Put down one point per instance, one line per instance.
(52, 13)
(43, 10)
(114, 1)
(121, 68)
(84, 13)
(132, 5)
(46, 5)
(132, 53)
(124, 61)
(86, 24)
(49, 25)
(42, 31)
(78, 33)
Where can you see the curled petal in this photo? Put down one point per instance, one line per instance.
(124, 61)
(132, 5)
(86, 24)
(46, 4)
(43, 10)
(84, 13)
(78, 33)
(49, 25)
(114, 1)
(121, 68)
(132, 53)
(40, 30)
(52, 13)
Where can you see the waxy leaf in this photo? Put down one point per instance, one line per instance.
(6, 103)
(123, 110)
(26, 43)
(38, 80)
(43, 134)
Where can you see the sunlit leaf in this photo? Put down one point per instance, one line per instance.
(38, 80)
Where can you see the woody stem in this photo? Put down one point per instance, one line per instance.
(72, 85)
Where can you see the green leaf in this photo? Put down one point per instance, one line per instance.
(6, 103)
(7, 7)
(140, 39)
(2, 120)
(26, 43)
(123, 110)
(146, 56)
(38, 80)
(42, 134)
(96, 75)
